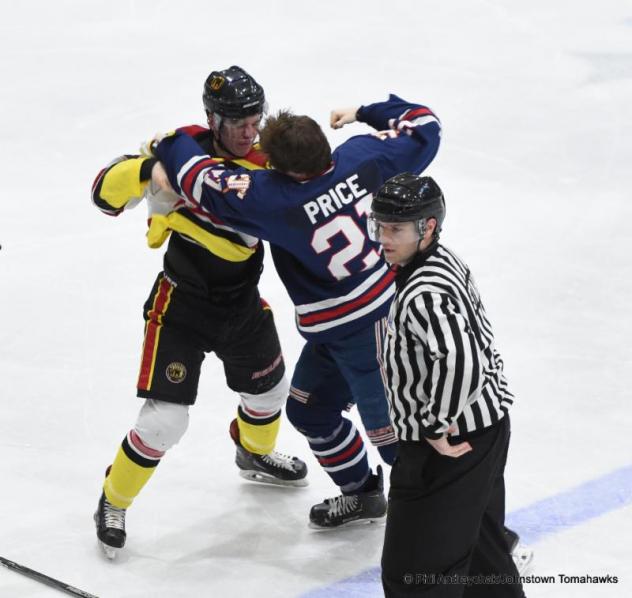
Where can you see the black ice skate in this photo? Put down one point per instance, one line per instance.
(110, 522)
(364, 507)
(273, 468)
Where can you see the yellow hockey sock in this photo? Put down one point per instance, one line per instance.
(258, 438)
(125, 480)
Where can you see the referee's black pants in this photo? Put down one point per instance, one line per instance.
(445, 522)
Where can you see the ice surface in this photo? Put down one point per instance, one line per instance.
(535, 100)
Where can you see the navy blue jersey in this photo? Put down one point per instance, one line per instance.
(333, 272)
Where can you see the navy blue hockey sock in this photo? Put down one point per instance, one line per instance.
(343, 456)
(388, 452)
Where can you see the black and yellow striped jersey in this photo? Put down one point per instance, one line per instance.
(204, 255)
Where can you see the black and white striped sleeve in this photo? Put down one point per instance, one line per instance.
(452, 357)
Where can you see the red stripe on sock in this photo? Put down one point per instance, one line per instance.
(141, 447)
(354, 448)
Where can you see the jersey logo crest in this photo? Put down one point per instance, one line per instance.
(240, 183)
(383, 135)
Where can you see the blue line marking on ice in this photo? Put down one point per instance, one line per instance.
(575, 506)
(535, 522)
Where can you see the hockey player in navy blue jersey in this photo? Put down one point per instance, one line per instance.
(312, 209)
(339, 287)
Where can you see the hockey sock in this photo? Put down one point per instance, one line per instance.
(256, 434)
(388, 452)
(133, 465)
(385, 441)
(343, 456)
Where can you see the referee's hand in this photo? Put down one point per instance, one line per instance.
(443, 447)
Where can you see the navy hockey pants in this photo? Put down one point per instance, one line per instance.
(329, 379)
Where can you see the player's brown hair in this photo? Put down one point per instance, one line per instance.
(295, 144)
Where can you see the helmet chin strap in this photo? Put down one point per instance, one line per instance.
(433, 239)
(422, 224)
(217, 139)
(216, 120)
(433, 242)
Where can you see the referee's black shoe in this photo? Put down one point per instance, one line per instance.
(364, 507)
(512, 538)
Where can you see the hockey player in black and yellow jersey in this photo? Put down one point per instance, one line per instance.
(204, 300)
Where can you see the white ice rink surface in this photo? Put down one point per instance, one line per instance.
(536, 103)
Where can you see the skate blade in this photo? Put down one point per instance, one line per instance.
(377, 521)
(264, 478)
(109, 551)
(523, 558)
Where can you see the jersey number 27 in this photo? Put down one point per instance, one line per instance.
(356, 239)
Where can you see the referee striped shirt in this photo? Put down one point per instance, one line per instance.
(440, 364)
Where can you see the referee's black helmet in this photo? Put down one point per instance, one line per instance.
(408, 197)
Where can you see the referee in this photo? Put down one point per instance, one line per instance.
(449, 404)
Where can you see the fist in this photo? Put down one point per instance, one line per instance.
(342, 116)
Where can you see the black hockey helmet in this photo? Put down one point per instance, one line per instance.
(408, 197)
(233, 93)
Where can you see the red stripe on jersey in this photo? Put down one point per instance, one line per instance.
(192, 130)
(354, 448)
(189, 177)
(202, 212)
(256, 156)
(416, 112)
(341, 310)
(152, 330)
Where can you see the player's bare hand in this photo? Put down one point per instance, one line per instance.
(443, 447)
(342, 116)
(159, 177)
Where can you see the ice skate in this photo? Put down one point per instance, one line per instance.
(110, 522)
(523, 558)
(273, 468)
(521, 554)
(364, 507)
